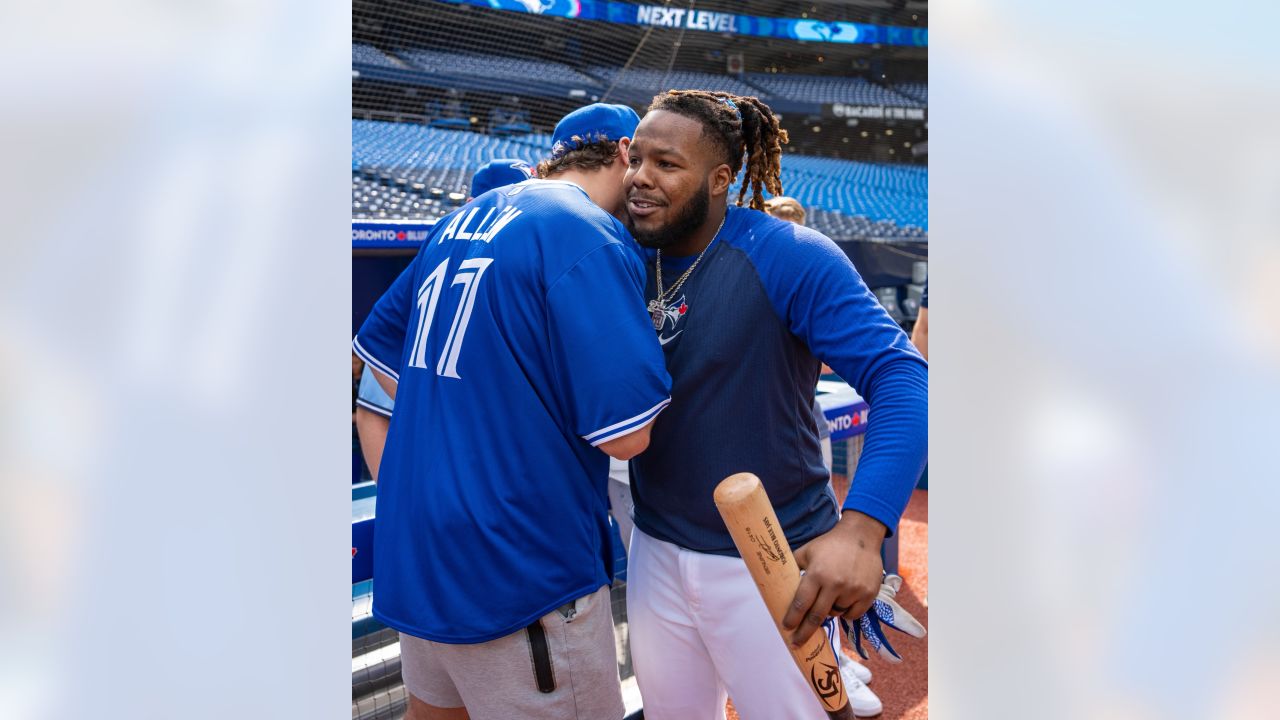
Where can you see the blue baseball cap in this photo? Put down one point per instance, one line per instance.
(499, 172)
(593, 123)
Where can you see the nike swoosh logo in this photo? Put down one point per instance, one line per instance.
(664, 341)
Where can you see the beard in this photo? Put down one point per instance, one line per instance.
(681, 227)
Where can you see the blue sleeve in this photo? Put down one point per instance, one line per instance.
(380, 341)
(612, 374)
(372, 397)
(825, 303)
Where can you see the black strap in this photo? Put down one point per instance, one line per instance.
(541, 652)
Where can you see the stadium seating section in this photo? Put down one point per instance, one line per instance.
(916, 91)
(407, 171)
(369, 55)
(812, 88)
(800, 88)
(655, 81)
(447, 63)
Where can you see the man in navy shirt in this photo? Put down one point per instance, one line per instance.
(517, 349)
(856, 676)
(747, 307)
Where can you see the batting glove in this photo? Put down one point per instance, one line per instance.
(884, 610)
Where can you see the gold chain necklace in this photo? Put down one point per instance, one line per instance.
(658, 305)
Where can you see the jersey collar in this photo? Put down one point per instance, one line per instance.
(570, 183)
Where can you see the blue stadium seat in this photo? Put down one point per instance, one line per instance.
(845, 199)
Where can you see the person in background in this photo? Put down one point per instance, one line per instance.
(357, 366)
(499, 172)
(785, 208)
(920, 338)
(620, 504)
(373, 405)
(373, 418)
(357, 450)
(920, 333)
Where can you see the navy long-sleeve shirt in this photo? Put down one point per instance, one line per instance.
(744, 340)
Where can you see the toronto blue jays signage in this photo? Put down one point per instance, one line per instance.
(846, 420)
(388, 234)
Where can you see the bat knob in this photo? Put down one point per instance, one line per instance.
(844, 713)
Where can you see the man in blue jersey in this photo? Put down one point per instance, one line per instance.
(517, 348)
(747, 307)
(373, 405)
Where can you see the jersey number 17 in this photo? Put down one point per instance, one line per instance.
(468, 276)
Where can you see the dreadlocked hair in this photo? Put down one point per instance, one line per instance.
(739, 126)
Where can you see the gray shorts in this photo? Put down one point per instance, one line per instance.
(563, 667)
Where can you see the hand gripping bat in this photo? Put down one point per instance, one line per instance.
(753, 524)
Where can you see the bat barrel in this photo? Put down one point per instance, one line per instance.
(737, 488)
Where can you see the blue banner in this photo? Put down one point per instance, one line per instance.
(362, 512)
(710, 21)
(389, 234)
(846, 419)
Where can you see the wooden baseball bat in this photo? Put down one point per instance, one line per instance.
(749, 515)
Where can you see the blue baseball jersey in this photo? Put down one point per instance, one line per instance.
(744, 343)
(520, 341)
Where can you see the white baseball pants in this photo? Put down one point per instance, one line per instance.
(700, 632)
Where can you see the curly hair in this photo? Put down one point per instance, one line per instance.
(590, 156)
(785, 208)
(739, 126)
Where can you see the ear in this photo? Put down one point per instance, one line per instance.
(721, 179)
(624, 144)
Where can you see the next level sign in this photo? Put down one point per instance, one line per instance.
(664, 16)
(670, 17)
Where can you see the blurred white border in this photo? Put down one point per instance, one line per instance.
(173, 458)
(1104, 356)
(1105, 350)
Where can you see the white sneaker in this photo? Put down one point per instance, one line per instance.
(861, 699)
(862, 671)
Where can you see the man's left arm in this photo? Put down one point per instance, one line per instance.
(831, 309)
